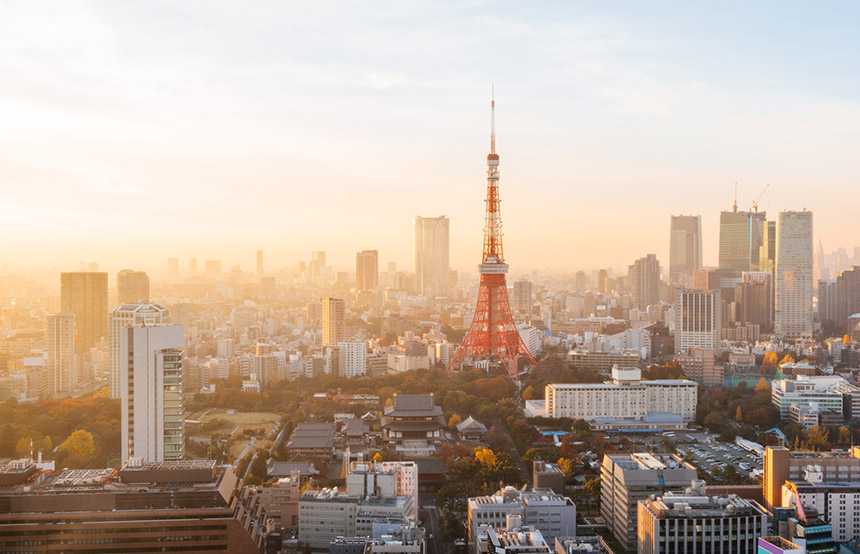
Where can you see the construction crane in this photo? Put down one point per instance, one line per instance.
(755, 202)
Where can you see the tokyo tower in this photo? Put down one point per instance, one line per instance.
(493, 334)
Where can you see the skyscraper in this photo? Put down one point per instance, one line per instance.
(643, 278)
(332, 321)
(316, 265)
(127, 315)
(706, 278)
(260, 270)
(62, 373)
(430, 255)
(847, 296)
(793, 275)
(828, 302)
(698, 319)
(522, 297)
(754, 299)
(685, 248)
(366, 270)
(152, 401)
(741, 237)
(132, 287)
(86, 294)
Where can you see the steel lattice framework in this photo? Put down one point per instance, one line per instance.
(493, 335)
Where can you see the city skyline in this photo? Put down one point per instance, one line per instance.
(598, 110)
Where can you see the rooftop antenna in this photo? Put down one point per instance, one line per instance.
(493, 119)
(735, 205)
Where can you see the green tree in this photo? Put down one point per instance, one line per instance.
(22, 447)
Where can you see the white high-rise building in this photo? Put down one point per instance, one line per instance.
(431, 255)
(698, 319)
(125, 315)
(685, 248)
(151, 392)
(352, 358)
(61, 353)
(521, 300)
(793, 275)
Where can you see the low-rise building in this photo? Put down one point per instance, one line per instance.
(828, 393)
(314, 440)
(625, 396)
(139, 508)
(551, 513)
(413, 417)
(693, 521)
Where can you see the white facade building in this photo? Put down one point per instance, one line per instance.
(387, 479)
(837, 502)
(827, 393)
(626, 396)
(793, 275)
(125, 315)
(352, 359)
(151, 392)
(552, 514)
(698, 319)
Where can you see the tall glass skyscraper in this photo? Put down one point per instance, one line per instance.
(741, 236)
(793, 275)
(685, 248)
(431, 256)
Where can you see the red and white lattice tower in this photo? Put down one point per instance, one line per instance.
(493, 334)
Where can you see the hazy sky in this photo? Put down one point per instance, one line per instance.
(131, 132)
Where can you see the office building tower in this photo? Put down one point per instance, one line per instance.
(781, 465)
(521, 302)
(828, 303)
(847, 296)
(173, 267)
(767, 251)
(837, 502)
(352, 358)
(706, 278)
(581, 281)
(643, 278)
(213, 268)
(132, 287)
(151, 393)
(126, 315)
(685, 248)
(625, 479)
(793, 275)
(741, 236)
(332, 321)
(86, 294)
(431, 255)
(62, 372)
(315, 266)
(698, 319)
(693, 522)
(192, 266)
(260, 271)
(603, 281)
(366, 270)
(754, 299)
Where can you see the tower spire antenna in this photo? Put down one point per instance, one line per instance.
(493, 119)
(735, 205)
